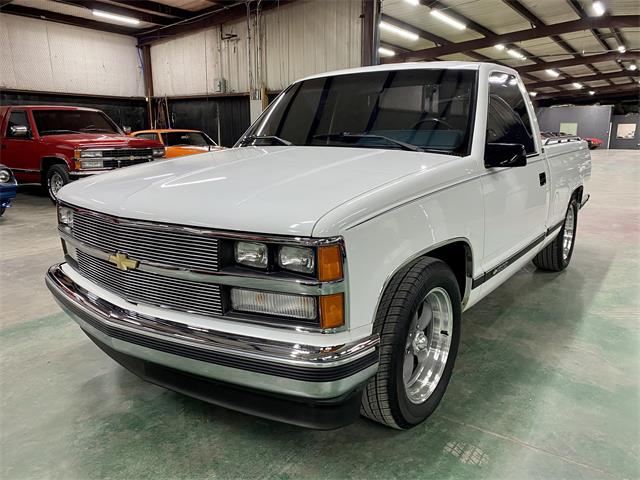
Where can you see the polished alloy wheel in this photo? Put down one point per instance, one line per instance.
(428, 344)
(569, 229)
(55, 184)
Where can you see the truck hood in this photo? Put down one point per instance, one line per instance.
(278, 190)
(95, 140)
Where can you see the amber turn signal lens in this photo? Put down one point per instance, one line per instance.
(329, 263)
(332, 310)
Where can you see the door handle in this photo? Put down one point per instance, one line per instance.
(543, 178)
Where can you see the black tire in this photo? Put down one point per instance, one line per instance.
(385, 398)
(55, 172)
(552, 256)
(2, 209)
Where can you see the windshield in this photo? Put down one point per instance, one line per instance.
(197, 139)
(429, 110)
(55, 122)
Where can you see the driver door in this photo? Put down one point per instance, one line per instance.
(515, 198)
(19, 152)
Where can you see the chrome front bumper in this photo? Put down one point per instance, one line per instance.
(302, 371)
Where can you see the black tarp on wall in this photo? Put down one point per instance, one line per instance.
(125, 112)
(202, 114)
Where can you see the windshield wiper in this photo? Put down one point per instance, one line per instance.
(404, 145)
(252, 138)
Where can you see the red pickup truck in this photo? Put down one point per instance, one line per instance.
(53, 145)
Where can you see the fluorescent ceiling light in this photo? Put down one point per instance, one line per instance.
(516, 54)
(598, 9)
(499, 46)
(399, 31)
(533, 94)
(552, 73)
(577, 85)
(117, 18)
(448, 20)
(622, 49)
(632, 67)
(413, 2)
(386, 52)
(591, 92)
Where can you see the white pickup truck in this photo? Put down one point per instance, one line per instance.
(320, 269)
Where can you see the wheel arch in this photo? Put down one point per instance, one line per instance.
(47, 162)
(457, 253)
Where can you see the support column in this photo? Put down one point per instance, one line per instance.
(148, 82)
(370, 38)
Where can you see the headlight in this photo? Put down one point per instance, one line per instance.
(90, 153)
(91, 163)
(278, 304)
(5, 175)
(158, 152)
(252, 254)
(65, 216)
(297, 259)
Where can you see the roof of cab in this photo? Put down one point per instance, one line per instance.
(458, 65)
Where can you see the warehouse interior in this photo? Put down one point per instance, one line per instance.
(547, 379)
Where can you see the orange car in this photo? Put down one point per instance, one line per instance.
(178, 142)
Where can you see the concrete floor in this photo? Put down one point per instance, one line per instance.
(546, 385)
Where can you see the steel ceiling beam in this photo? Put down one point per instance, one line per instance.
(435, 39)
(481, 29)
(582, 93)
(620, 21)
(155, 7)
(582, 79)
(581, 60)
(117, 10)
(66, 19)
(579, 10)
(219, 15)
(536, 22)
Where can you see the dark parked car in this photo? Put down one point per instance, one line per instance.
(8, 188)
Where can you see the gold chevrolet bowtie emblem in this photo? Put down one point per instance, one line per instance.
(122, 262)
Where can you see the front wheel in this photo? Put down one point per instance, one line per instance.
(57, 177)
(418, 320)
(557, 255)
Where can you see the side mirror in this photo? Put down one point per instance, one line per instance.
(126, 130)
(19, 131)
(504, 155)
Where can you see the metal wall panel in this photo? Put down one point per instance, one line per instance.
(296, 40)
(188, 65)
(47, 56)
(309, 37)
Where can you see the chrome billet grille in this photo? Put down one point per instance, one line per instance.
(137, 286)
(171, 247)
(128, 152)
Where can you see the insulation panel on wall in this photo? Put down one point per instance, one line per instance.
(296, 40)
(45, 56)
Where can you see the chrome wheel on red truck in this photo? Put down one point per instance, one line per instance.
(57, 177)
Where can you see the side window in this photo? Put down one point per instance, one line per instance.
(148, 136)
(15, 119)
(508, 120)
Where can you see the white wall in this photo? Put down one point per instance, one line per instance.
(52, 57)
(296, 40)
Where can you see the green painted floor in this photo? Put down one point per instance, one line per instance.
(546, 385)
